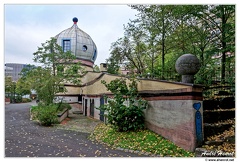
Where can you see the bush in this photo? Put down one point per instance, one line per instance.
(34, 112)
(61, 106)
(47, 115)
(125, 110)
(24, 100)
(16, 99)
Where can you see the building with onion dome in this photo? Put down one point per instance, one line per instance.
(79, 43)
(172, 106)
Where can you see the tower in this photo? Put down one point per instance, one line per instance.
(79, 43)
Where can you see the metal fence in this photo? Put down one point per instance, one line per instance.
(213, 86)
(220, 88)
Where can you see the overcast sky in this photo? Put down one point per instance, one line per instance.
(27, 26)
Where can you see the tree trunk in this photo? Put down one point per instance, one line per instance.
(224, 45)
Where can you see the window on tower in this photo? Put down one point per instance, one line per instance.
(66, 45)
(84, 48)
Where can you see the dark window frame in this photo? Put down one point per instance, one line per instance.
(66, 45)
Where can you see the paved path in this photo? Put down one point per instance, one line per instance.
(25, 138)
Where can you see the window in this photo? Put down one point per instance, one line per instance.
(84, 48)
(94, 55)
(66, 45)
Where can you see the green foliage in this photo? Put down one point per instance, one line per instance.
(16, 99)
(49, 79)
(61, 106)
(142, 140)
(24, 100)
(125, 110)
(112, 64)
(161, 33)
(10, 91)
(46, 115)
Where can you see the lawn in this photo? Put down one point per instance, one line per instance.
(143, 141)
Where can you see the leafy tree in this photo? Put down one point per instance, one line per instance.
(165, 32)
(158, 22)
(128, 49)
(8, 85)
(112, 64)
(125, 110)
(221, 21)
(22, 88)
(58, 68)
(10, 90)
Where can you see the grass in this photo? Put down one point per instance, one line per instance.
(143, 140)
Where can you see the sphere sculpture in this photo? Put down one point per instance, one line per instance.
(187, 65)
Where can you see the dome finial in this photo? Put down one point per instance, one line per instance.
(75, 20)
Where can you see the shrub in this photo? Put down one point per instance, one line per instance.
(61, 106)
(16, 99)
(47, 115)
(125, 110)
(24, 100)
(34, 111)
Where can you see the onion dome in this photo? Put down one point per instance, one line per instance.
(79, 42)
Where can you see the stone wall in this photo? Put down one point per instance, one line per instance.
(173, 116)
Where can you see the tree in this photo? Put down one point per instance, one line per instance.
(113, 63)
(10, 90)
(161, 33)
(8, 84)
(221, 21)
(58, 68)
(128, 49)
(157, 21)
(22, 88)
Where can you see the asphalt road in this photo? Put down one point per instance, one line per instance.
(25, 138)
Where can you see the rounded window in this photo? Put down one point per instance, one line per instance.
(84, 48)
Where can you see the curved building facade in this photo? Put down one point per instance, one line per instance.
(79, 43)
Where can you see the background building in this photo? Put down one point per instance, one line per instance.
(8, 71)
(13, 70)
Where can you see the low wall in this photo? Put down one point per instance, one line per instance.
(76, 106)
(176, 115)
(175, 109)
(7, 101)
(62, 115)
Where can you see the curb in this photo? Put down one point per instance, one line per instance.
(131, 151)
